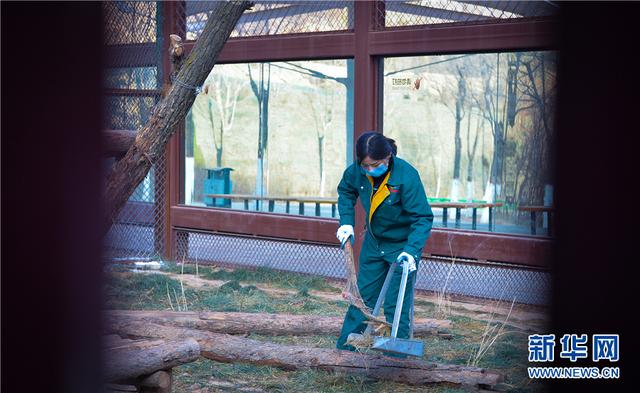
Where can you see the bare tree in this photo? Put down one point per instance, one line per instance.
(457, 94)
(471, 153)
(459, 114)
(261, 89)
(189, 136)
(489, 103)
(322, 109)
(223, 95)
(538, 90)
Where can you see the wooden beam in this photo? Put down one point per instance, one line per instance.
(334, 45)
(516, 249)
(286, 226)
(507, 35)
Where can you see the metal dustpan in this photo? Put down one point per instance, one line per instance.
(401, 346)
(392, 343)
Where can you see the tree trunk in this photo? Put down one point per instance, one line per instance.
(471, 154)
(261, 323)
(321, 163)
(218, 145)
(457, 139)
(459, 114)
(261, 90)
(128, 360)
(230, 349)
(153, 137)
(494, 185)
(117, 142)
(189, 159)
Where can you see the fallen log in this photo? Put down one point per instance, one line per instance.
(261, 323)
(230, 349)
(130, 360)
(158, 382)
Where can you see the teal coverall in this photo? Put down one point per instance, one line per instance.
(398, 218)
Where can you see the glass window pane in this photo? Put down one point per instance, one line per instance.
(274, 135)
(479, 128)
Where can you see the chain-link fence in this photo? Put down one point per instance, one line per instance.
(453, 276)
(133, 86)
(394, 13)
(276, 17)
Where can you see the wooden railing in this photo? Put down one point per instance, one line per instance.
(445, 206)
(273, 199)
(539, 209)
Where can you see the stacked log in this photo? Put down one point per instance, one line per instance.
(263, 323)
(230, 349)
(146, 363)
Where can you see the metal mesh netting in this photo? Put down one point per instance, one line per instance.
(485, 280)
(129, 22)
(276, 17)
(132, 86)
(429, 12)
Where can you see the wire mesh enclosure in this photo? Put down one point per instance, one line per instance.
(443, 275)
(276, 17)
(130, 22)
(395, 13)
(133, 86)
(133, 83)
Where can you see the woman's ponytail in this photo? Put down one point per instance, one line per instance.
(374, 145)
(392, 143)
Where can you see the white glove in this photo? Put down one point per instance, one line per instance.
(409, 259)
(344, 232)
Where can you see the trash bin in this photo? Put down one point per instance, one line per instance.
(218, 181)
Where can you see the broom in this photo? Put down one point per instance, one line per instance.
(351, 293)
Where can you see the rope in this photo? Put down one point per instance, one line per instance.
(144, 153)
(197, 89)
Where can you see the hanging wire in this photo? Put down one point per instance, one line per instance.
(197, 89)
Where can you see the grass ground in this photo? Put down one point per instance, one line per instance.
(265, 290)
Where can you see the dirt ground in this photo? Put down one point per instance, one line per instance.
(523, 316)
(222, 289)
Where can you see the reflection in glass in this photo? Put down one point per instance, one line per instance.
(270, 136)
(479, 128)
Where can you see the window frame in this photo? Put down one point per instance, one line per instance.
(367, 46)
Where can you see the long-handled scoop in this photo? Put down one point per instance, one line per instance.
(381, 343)
(352, 293)
(393, 343)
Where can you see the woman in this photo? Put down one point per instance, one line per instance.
(398, 223)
